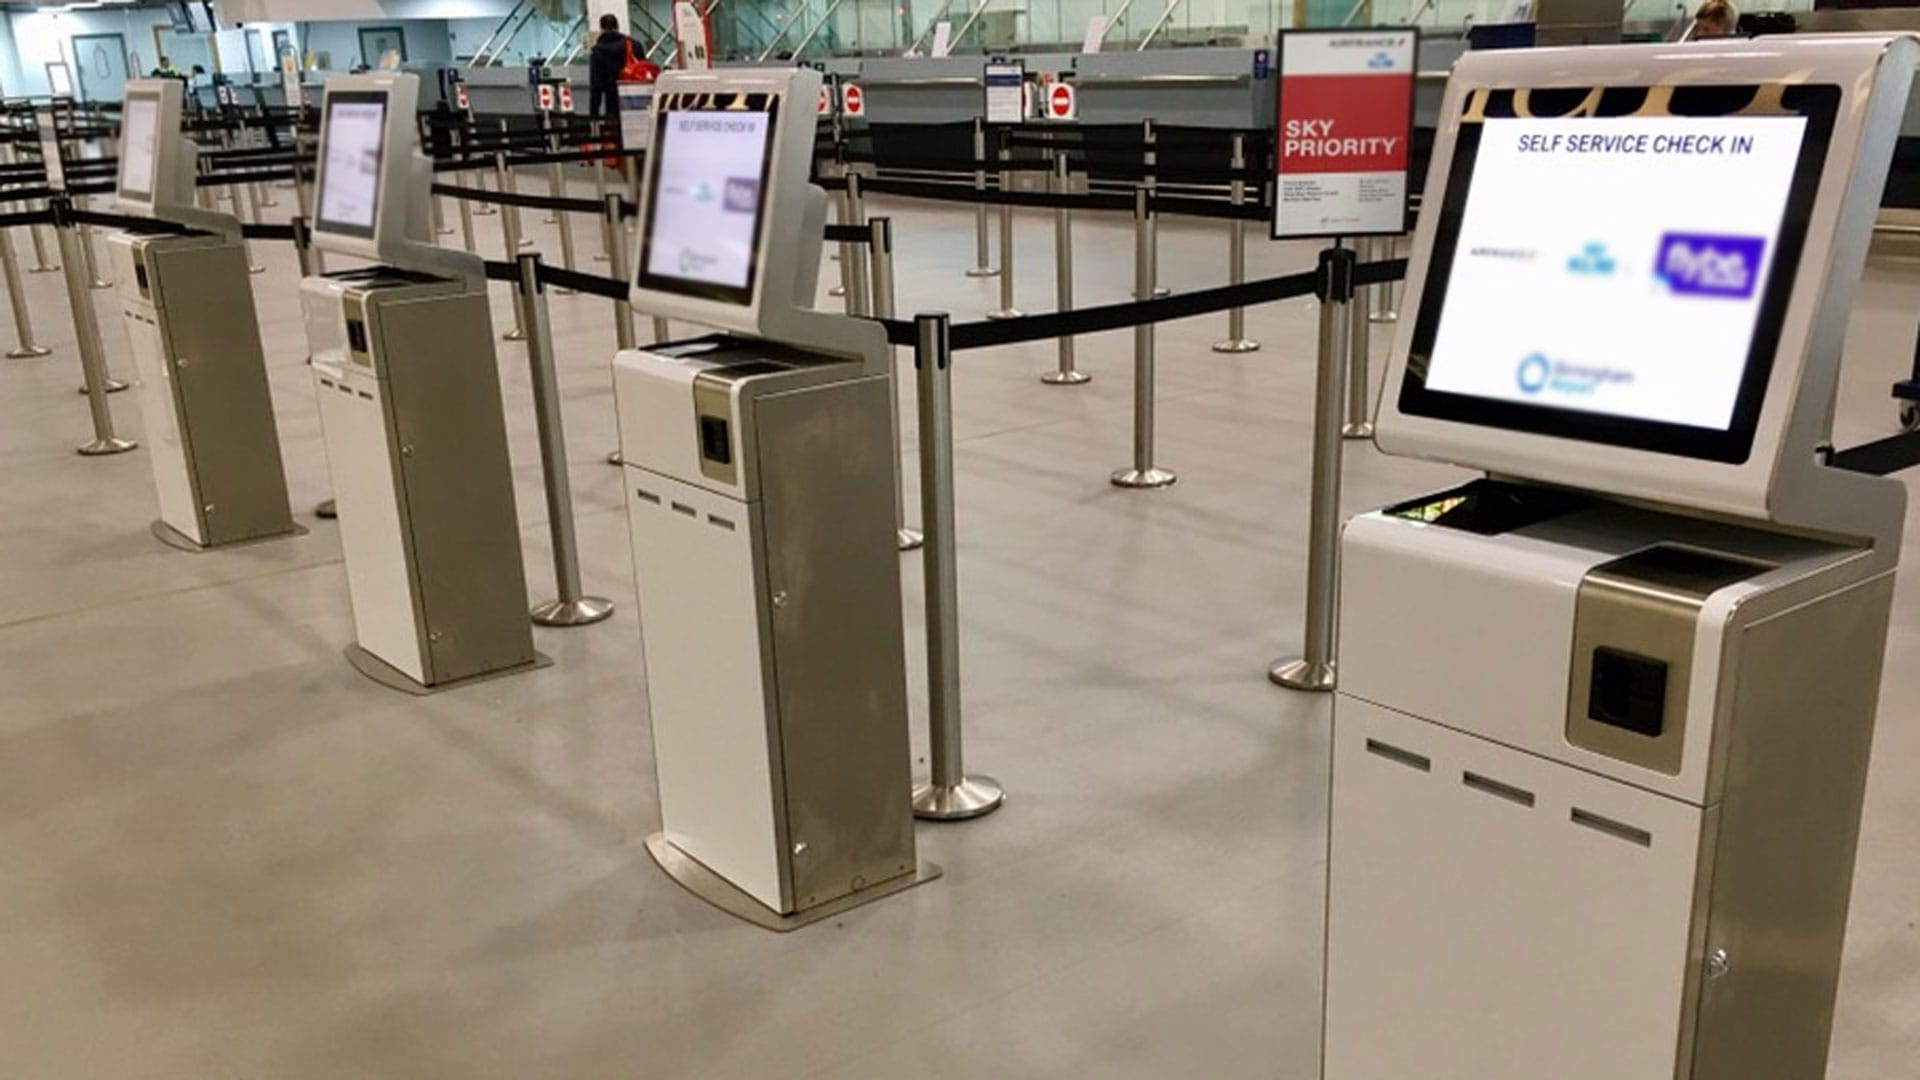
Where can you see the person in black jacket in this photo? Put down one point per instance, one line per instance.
(603, 69)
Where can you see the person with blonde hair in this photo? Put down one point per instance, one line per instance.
(1715, 19)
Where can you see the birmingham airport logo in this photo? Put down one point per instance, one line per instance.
(1693, 264)
(1537, 374)
(1592, 261)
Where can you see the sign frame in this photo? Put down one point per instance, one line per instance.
(1277, 227)
(1008, 113)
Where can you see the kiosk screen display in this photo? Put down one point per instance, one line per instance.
(139, 135)
(1619, 278)
(350, 157)
(709, 178)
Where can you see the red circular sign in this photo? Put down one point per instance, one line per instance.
(1060, 101)
(856, 100)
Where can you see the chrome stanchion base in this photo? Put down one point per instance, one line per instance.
(1236, 345)
(103, 447)
(910, 539)
(615, 458)
(326, 510)
(983, 271)
(96, 283)
(42, 269)
(970, 798)
(28, 352)
(114, 386)
(1144, 478)
(1362, 430)
(581, 612)
(1005, 313)
(1300, 675)
(1066, 378)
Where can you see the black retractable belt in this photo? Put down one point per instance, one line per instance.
(1333, 278)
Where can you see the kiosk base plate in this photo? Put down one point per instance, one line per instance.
(393, 678)
(174, 538)
(721, 893)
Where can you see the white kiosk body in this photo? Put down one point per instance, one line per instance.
(1604, 717)
(759, 468)
(187, 303)
(410, 405)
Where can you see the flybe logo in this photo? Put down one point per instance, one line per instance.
(1727, 267)
(742, 195)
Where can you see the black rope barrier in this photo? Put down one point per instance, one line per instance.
(530, 202)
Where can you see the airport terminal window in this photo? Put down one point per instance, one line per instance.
(139, 124)
(352, 138)
(708, 179)
(1615, 266)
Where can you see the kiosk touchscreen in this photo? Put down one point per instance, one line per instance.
(1604, 715)
(410, 405)
(186, 300)
(774, 649)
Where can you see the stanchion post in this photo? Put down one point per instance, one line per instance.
(88, 256)
(600, 192)
(1143, 474)
(466, 222)
(948, 793)
(617, 251)
(510, 240)
(1236, 340)
(557, 184)
(303, 245)
(982, 267)
(1314, 668)
(880, 248)
(16, 296)
(1380, 304)
(1007, 310)
(1359, 422)
(1150, 157)
(510, 185)
(860, 281)
(1064, 372)
(571, 607)
(40, 263)
(86, 329)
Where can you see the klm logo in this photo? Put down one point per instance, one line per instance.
(1592, 261)
(1381, 61)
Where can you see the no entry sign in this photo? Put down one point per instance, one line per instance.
(853, 100)
(1345, 122)
(1060, 103)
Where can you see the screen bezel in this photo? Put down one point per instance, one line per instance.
(1817, 103)
(127, 190)
(749, 101)
(345, 228)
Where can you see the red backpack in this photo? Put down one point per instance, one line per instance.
(638, 69)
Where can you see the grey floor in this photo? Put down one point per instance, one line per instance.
(224, 854)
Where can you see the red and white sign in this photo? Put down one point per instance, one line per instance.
(1345, 124)
(460, 97)
(853, 100)
(1061, 104)
(825, 107)
(545, 93)
(566, 97)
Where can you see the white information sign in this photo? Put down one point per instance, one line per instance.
(942, 38)
(1096, 32)
(1006, 85)
(691, 31)
(290, 82)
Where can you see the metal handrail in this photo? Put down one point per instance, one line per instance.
(1172, 6)
(508, 40)
(1355, 13)
(817, 27)
(931, 23)
(480, 54)
(786, 24)
(565, 37)
(1114, 20)
(961, 34)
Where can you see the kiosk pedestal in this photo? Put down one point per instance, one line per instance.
(769, 587)
(1639, 849)
(188, 307)
(409, 397)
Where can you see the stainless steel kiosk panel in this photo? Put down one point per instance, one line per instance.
(187, 303)
(759, 472)
(410, 404)
(1604, 717)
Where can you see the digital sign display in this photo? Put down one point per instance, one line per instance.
(139, 133)
(707, 200)
(350, 157)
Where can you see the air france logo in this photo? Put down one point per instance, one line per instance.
(1726, 267)
(1381, 61)
(1534, 372)
(1592, 261)
(742, 195)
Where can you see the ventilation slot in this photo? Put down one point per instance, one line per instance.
(1497, 789)
(1616, 829)
(366, 395)
(328, 383)
(647, 495)
(1404, 757)
(683, 508)
(720, 522)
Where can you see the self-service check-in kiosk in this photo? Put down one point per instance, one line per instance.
(409, 395)
(1605, 714)
(187, 303)
(759, 477)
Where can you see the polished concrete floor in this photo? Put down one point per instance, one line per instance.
(225, 854)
